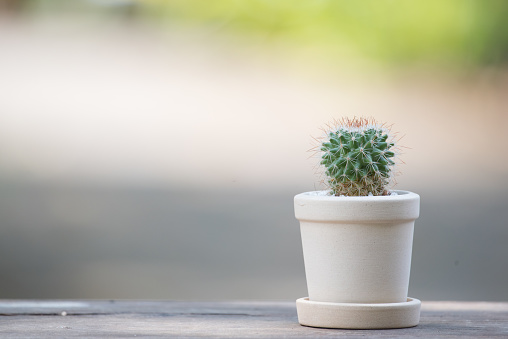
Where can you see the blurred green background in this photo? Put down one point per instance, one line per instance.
(454, 34)
(152, 149)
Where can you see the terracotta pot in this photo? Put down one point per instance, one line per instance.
(357, 249)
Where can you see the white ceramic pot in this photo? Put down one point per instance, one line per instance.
(357, 249)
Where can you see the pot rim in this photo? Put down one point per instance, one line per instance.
(318, 195)
(309, 206)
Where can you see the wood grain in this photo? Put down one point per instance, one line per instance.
(253, 319)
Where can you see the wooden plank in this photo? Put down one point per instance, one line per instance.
(82, 318)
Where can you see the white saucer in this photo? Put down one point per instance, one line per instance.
(358, 316)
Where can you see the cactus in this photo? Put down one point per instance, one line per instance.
(357, 156)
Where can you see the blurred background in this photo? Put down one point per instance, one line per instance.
(152, 149)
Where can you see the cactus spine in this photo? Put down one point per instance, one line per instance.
(357, 155)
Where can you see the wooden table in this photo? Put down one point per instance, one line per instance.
(253, 319)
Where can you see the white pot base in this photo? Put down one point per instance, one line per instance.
(358, 316)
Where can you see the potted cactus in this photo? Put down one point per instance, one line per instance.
(357, 234)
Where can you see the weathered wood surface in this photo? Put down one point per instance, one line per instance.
(50, 319)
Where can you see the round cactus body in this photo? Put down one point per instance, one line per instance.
(357, 155)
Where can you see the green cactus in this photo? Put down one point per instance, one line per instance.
(357, 155)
